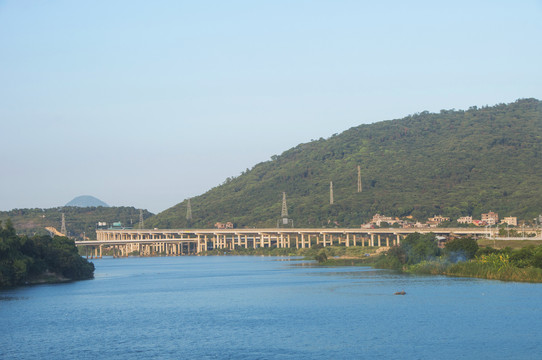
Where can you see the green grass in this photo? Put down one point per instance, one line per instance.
(487, 271)
(436, 267)
(514, 244)
(477, 269)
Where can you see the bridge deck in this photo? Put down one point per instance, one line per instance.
(190, 241)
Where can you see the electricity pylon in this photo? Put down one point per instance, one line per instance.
(359, 179)
(188, 211)
(284, 213)
(63, 226)
(141, 225)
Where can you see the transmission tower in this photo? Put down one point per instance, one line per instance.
(284, 213)
(331, 193)
(188, 211)
(359, 179)
(141, 219)
(63, 227)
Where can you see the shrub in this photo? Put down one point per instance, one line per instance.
(321, 256)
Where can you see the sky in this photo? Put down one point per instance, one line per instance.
(148, 103)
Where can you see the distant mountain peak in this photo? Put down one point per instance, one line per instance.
(86, 201)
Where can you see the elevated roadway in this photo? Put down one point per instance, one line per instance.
(193, 241)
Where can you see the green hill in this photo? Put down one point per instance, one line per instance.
(79, 220)
(452, 163)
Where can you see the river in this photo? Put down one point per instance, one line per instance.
(232, 307)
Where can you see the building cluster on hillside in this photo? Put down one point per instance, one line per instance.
(228, 225)
(488, 219)
(491, 218)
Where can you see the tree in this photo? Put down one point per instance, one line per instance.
(418, 247)
(461, 249)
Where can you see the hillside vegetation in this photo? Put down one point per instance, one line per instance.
(79, 220)
(452, 163)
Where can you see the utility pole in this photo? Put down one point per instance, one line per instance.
(63, 226)
(359, 179)
(141, 218)
(331, 193)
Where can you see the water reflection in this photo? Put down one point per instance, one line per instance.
(12, 298)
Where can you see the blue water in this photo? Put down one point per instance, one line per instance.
(268, 308)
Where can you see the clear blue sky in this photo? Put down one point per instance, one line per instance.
(146, 103)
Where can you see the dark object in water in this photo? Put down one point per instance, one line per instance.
(402, 292)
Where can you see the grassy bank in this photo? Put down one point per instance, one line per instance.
(521, 264)
(486, 271)
(512, 244)
(476, 269)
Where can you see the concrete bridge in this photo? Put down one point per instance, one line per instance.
(173, 242)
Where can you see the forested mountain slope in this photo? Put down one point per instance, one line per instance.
(452, 163)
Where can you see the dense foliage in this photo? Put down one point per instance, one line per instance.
(512, 265)
(24, 259)
(461, 249)
(530, 256)
(419, 254)
(454, 163)
(79, 220)
(413, 249)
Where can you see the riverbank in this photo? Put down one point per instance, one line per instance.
(477, 268)
(44, 278)
(496, 265)
(47, 278)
